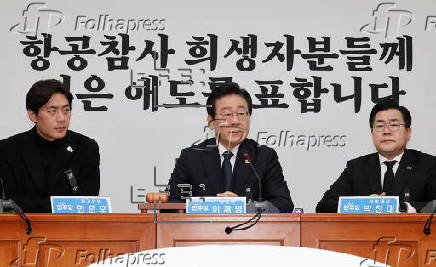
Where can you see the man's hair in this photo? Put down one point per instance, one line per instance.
(228, 88)
(41, 92)
(390, 104)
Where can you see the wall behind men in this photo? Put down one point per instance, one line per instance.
(313, 68)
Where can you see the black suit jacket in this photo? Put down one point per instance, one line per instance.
(200, 165)
(416, 172)
(25, 181)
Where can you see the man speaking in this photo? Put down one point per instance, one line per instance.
(220, 166)
(48, 160)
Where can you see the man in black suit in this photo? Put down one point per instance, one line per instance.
(49, 159)
(220, 166)
(392, 171)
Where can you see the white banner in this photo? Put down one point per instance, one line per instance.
(140, 72)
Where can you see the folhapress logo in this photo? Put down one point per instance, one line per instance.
(33, 255)
(388, 20)
(38, 18)
(387, 251)
(104, 22)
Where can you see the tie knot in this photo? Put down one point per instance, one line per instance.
(227, 155)
(390, 164)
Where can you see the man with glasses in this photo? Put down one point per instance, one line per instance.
(220, 166)
(392, 171)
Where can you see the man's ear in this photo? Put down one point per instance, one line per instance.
(409, 133)
(210, 122)
(32, 115)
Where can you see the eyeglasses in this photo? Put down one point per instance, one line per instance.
(392, 126)
(242, 116)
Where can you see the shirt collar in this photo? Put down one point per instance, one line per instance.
(46, 144)
(383, 159)
(222, 149)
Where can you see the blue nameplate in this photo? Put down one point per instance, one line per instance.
(216, 205)
(80, 204)
(368, 204)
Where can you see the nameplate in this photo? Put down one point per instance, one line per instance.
(368, 204)
(80, 204)
(216, 205)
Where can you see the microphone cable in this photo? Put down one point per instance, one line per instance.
(256, 218)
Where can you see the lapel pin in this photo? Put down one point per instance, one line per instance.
(409, 168)
(247, 157)
(69, 149)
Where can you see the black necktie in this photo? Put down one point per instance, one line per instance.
(227, 170)
(389, 176)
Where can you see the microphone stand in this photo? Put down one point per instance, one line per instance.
(10, 204)
(428, 222)
(260, 205)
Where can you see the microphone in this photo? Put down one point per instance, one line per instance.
(260, 204)
(10, 204)
(404, 198)
(73, 181)
(247, 157)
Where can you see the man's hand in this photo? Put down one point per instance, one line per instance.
(226, 194)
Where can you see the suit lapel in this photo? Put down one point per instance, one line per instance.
(242, 170)
(212, 164)
(372, 171)
(404, 172)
